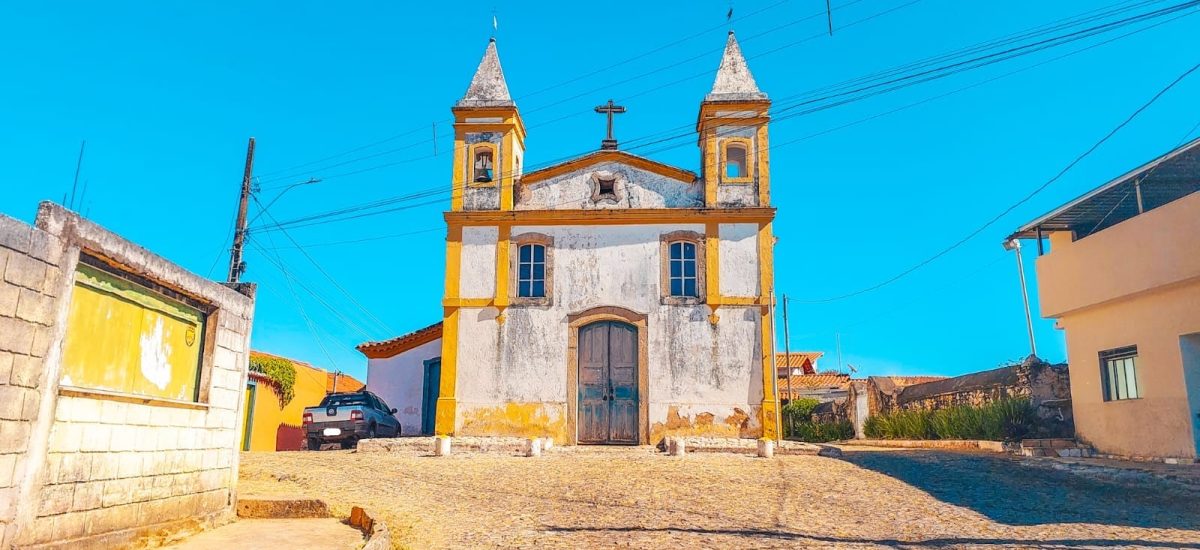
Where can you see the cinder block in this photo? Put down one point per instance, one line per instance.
(8, 467)
(72, 467)
(9, 295)
(31, 404)
(56, 499)
(14, 436)
(65, 437)
(96, 437)
(113, 412)
(166, 439)
(36, 308)
(42, 338)
(87, 496)
(53, 281)
(25, 271)
(6, 364)
(118, 491)
(105, 466)
(8, 504)
(69, 526)
(16, 335)
(11, 402)
(145, 438)
(129, 465)
(26, 370)
(14, 234)
(45, 247)
(225, 359)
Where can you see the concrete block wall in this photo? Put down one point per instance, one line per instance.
(97, 468)
(30, 280)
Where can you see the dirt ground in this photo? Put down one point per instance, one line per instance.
(634, 498)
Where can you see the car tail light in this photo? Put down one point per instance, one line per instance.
(356, 415)
(307, 418)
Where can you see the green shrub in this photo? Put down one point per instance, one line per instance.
(798, 424)
(1003, 420)
(280, 372)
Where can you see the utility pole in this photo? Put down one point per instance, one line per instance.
(838, 335)
(236, 265)
(787, 349)
(336, 374)
(75, 183)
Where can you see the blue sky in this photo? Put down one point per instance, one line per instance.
(166, 97)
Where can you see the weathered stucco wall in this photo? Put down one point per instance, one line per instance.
(512, 377)
(269, 416)
(85, 467)
(739, 259)
(479, 253)
(635, 188)
(400, 381)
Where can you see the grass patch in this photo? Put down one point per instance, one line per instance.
(1003, 420)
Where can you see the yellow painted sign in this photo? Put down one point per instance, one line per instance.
(126, 338)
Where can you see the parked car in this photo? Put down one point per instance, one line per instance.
(345, 418)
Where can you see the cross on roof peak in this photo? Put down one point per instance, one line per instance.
(609, 109)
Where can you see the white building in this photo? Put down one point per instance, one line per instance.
(609, 298)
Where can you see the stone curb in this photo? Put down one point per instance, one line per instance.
(971, 444)
(377, 534)
(281, 508)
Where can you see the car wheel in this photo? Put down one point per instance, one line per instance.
(349, 443)
(371, 432)
(314, 444)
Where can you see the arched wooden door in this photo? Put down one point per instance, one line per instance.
(608, 383)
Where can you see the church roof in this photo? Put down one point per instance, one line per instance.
(488, 88)
(734, 81)
(610, 155)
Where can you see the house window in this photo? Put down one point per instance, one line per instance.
(531, 271)
(607, 187)
(735, 161)
(125, 337)
(1118, 374)
(483, 165)
(683, 278)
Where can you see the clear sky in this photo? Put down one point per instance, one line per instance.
(166, 95)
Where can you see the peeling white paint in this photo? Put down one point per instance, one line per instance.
(739, 259)
(155, 351)
(637, 188)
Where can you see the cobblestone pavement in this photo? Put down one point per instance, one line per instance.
(633, 498)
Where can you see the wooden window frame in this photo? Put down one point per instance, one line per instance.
(664, 279)
(473, 150)
(748, 145)
(1110, 393)
(515, 244)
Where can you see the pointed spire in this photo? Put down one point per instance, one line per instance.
(487, 88)
(734, 80)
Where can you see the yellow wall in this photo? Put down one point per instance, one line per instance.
(125, 338)
(1136, 283)
(268, 415)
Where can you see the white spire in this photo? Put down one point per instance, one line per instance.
(487, 88)
(734, 80)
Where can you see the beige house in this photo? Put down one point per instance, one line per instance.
(1122, 278)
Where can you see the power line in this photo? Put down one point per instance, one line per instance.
(933, 74)
(1014, 206)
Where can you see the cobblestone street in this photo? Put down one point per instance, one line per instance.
(635, 498)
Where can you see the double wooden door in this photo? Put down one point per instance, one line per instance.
(608, 388)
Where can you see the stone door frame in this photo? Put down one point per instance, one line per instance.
(575, 321)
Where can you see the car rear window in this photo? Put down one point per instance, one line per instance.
(344, 400)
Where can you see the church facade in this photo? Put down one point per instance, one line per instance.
(610, 298)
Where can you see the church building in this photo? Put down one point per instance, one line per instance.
(610, 298)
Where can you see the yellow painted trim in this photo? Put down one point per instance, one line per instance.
(447, 403)
(751, 165)
(766, 270)
(453, 260)
(711, 166)
(622, 157)
(458, 177)
(502, 251)
(508, 176)
(468, 302)
(763, 154)
(612, 216)
(742, 300)
(712, 265)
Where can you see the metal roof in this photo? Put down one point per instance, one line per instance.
(1162, 180)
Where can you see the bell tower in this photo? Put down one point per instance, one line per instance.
(489, 140)
(732, 129)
